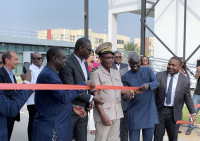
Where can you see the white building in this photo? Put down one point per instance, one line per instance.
(169, 24)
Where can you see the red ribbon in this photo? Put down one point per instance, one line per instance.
(185, 122)
(8, 86)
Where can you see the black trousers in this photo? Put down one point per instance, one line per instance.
(124, 126)
(32, 112)
(79, 127)
(10, 129)
(166, 119)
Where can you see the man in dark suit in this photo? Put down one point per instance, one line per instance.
(76, 71)
(10, 61)
(11, 107)
(117, 61)
(172, 92)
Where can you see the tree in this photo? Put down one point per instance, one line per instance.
(131, 47)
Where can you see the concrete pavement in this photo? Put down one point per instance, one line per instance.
(20, 131)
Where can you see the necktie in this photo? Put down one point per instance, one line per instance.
(169, 92)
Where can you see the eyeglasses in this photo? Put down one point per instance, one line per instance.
(39, 58)
(90, 50)
(108, 57)
(118, 57)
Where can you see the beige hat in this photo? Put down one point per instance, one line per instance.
(104, 48)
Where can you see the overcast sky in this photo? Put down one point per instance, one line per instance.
(51, 14)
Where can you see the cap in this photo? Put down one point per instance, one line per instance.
(104, 48)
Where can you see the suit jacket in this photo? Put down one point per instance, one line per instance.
(122, 66)
(124, 102)
(11, 107)
(142, 109)
(5, 78)
(182, 94)
(73, 74)
(53, 109)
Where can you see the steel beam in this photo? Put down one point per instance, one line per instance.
(142, 33)
(86, 16)
(192, 53)
(184, 35)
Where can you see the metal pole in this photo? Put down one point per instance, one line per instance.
(86, 15)
(184, 36)
(142, 33)
(192, 53)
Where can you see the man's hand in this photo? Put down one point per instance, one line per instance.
(98, 100)
(138, 91)
(128, 96)
(26, 76)
(90, 83)
(91, 104)
(79, 110)
(198, 68)
(144, 87)
(193, 118)
(106, 120)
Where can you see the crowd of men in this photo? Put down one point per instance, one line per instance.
(61, 115)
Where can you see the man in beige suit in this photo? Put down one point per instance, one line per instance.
(107, 116)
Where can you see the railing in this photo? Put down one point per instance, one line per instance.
(159, 64)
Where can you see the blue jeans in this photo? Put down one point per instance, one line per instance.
(196, 100)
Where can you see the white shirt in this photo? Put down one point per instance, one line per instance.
(118, 66)
(175, 80)
(82, 64)
(35, 70)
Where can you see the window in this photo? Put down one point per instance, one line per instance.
(96, 40)
(120, 41)
(72, 38)
(100, 40)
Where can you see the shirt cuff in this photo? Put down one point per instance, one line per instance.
(26, 82)
(193, 114)
(91, 98)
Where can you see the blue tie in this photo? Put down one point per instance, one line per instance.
(169, 92)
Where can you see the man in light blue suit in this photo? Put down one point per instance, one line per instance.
(142, 109)
(11, 107)
(53, 120)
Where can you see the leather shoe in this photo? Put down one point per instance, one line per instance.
(188, 132)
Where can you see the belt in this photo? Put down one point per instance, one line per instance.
(168, 107)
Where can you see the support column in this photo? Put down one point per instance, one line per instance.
(112, 30)
(142, 34)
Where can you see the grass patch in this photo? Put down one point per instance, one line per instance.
(186, 117)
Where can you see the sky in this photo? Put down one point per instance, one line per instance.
(38, 15)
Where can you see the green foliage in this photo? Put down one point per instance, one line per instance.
(131, 47)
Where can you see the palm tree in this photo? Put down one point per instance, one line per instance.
(131, 46)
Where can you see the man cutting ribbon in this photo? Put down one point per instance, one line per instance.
(142, 109)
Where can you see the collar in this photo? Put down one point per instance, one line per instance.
(8, 71)
(35, 67)
(175, 76)
(79, 59)
(104, 70)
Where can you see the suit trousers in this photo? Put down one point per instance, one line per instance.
(10, 129)
(166, 121)
(79, 127)
(124, 126)
(147, 134)
(107, 133)
(32, 112)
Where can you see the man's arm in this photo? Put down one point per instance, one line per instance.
(196, 76)
(153, 80)
(188, 100)
(67, 77)
(11, 107)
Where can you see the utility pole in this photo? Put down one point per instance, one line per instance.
(86, 16)
(142, 33)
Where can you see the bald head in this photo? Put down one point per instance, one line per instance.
(134, 56)
(134, 62)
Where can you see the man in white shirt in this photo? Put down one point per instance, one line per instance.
(172, 92)
(35, 67)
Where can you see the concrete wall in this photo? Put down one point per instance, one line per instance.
(169, 26)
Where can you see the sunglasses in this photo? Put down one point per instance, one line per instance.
(39, 58)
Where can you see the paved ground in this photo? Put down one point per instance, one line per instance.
(20, 131)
